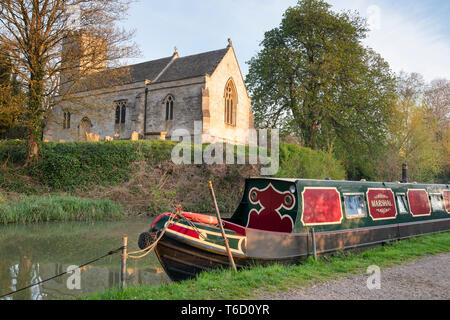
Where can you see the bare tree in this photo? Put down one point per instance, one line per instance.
(437, 100)
(57, 46)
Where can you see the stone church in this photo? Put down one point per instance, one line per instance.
(161, 96)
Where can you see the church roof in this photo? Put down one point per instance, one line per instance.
(148, 70)
(193, 66)
(157, 71)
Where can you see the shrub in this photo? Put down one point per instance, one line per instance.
(301, 162)
(66, 166)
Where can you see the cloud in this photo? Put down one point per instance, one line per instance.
(408, 34)
(409, 37)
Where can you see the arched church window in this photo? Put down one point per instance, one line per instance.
(230, 103)
(121, 111)
(169, 107)
(66, 122)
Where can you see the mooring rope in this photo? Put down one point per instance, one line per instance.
(177, 212)
(153, 245)
(200, 234)
(63, 273)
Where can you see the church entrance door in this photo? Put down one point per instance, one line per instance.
(84, 127)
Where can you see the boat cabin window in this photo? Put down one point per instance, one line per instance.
(355, 205)
(402, 203)
(436, 202)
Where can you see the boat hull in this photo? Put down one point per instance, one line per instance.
(183, 260)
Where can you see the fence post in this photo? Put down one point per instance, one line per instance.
(313, 240)
(123, 269)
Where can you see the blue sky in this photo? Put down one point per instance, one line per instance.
(412, 35)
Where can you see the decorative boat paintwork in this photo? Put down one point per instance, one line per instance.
(274, 219)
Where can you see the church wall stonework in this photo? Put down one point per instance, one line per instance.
(216, 83)
(187, 95)
(99, 108)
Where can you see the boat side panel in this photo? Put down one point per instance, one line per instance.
(446, 197)
(387, 209)
(419, 202)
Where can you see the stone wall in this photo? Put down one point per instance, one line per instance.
(99, 108)
(187, 96)
(214, 101)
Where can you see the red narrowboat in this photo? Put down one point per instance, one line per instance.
(285, 220)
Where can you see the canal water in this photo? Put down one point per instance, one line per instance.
(32, 253)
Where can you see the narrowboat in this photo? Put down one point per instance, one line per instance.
(284, 220)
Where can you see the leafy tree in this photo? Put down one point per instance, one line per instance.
(417, 133)
(437, 106)
(314, 79)
(11, 97)
(33, 32)
(5, 68)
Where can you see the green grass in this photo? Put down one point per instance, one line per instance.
(225, 284)
(32, 209)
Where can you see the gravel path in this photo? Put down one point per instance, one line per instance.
(424, 279)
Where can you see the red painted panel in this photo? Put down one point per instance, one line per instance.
(186, 231)
(269, 217)
(446, 194)
(234, 227)
(321, 206)
(381, 204)
(419, 203)
(158, 218)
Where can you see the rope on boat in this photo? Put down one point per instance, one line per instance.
(152, 246)
(200, 234)
(176, 213)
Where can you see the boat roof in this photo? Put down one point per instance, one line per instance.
(347, 182)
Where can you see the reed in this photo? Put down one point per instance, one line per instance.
(32, 209)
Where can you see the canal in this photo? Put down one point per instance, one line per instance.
(32, 253)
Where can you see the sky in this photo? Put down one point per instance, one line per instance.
(412, 35)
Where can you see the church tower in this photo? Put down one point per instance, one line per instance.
(81, 55)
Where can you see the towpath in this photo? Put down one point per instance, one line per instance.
(423, 279)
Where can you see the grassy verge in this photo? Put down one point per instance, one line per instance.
(224, 284)
(30, 209)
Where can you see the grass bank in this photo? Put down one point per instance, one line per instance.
(31, 209)
(225, 284)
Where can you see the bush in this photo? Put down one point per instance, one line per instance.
(66, 166)
(13, 152)
(300, 162)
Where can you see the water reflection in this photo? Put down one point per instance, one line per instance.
(30, 254)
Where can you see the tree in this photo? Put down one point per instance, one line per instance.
(313, 78)
(417, 132)
(11, 96)
(437, 106)
(34, 31)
